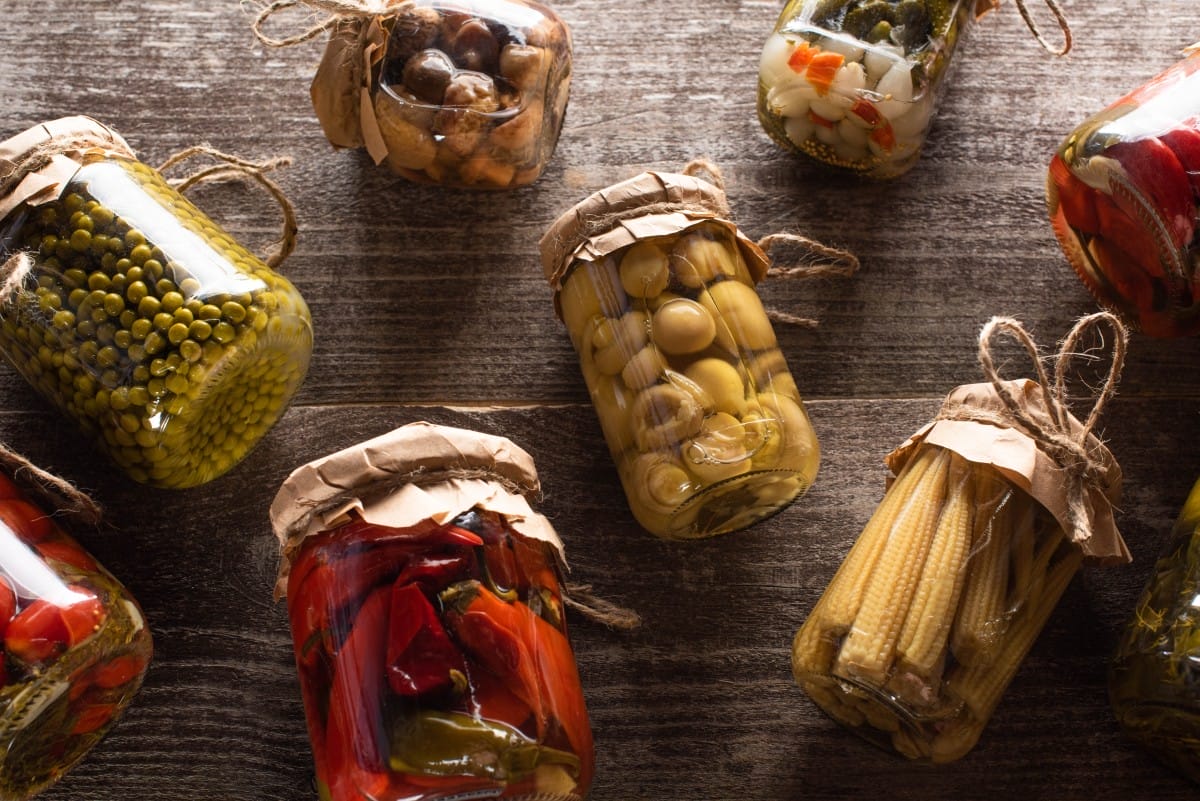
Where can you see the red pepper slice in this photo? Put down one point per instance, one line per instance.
(355, 743)
(8, 605)
(8, 489)
(530, 655)
(93, 717)
(1154, 171)
(420, 655)
(118, 671)
(62, 549)
(434, 572)
(1184, 142)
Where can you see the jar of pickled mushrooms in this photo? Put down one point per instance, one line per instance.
(993, 509)
(462, 93)
(855, 83)
(75, 646)
(1154, 678)
(1123, 191)
(428, 622)
(171, 346)
(657, 291)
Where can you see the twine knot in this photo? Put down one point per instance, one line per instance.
(335, 12)
(1057, 432)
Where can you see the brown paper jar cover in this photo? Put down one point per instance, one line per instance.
(172, 347)
(944, 592)
(656, 287)
(427, 618)
(464, 94)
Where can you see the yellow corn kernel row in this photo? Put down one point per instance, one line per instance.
(869, 648)
(983, 613)
(817, 641)
(979, 688)
(922, 644)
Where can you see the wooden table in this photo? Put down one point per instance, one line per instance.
(430, 304)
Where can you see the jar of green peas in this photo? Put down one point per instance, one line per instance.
(171, 346)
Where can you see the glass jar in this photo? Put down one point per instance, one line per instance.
(1154, 679)
(465, 93)
(428, 623)
(1123, 192)
(693, 393)
(172, 346)
(76, 648)
(951, 581)
(855, 83)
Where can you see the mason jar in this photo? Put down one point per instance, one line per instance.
(427, 617)
(855, 83)
(1123, 191)
(693, 393)
(171, 346)
(462, 93)
(1154, 677)
(76, 648)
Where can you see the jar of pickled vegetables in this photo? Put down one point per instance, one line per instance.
(1123, 191)
(76, 647)
(994, 507)
(172, 346)
(1154, 679)
(657, 291)
(463, 93)
(427, 617)
(855, 83)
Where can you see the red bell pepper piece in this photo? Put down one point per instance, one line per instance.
(355, 742)
(93, 717)
(118, 671)
(62, 549)
(420, 655)
(531, 656)
(434, 572)
(8, 489)
(1076, 200)
(490, 699)
(1153, 171)
(1184, 142)
(8, 605)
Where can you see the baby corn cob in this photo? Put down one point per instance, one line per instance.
(922, 641)
(817, 641)
(870, 647)
(980, 687)
(983, 613)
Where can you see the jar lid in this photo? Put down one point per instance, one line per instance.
(36, 164)
(416, 473)
(647, 205)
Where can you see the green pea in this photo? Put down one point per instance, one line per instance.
(224, 333)
(74, 278)
(81, 240)
(234, 312)
(127, 318)
(98, 281)
(177, 333)
(163, 321)
(154, 342)
(184, 316)
(171, 301)
(200, 330)
(138, 254)
(153, 268)
(114, 304)
(177, 383)
(82, 222)
(191, 350)
(63, 320)
(141, 328)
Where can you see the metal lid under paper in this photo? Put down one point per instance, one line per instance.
(647, 205)
(417, 473)
(37, 164)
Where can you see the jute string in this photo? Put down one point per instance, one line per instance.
(1052, 427)
(64, 496)
(579, 597)
(1059, 17)
(335, 11)
(232, 167)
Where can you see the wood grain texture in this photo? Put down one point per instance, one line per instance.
(430, 304)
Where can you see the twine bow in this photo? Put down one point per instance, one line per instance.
(335, 11)
(1057, 433)
(1059, 17)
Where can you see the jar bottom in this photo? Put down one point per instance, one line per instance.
(1170, 733)
(210, 427)
(735, 503)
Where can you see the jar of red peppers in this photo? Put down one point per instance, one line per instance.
(463, 93)
(855, 83)
(427, 618)
(1154, 678)
(1123, 191)
(173, 347)
(656, 288)
(76, 647)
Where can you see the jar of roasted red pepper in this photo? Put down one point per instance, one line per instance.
(172, 347)
(855, 83)
(1124, 198)
(76, 647)
(464, 93)
(427, 619)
